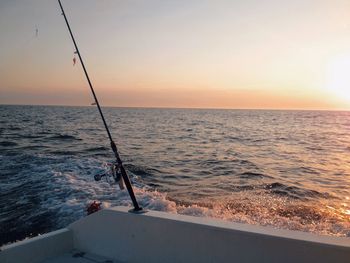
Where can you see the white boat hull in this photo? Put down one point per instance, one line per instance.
(121, 236)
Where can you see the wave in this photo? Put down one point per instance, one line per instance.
(64, 137)
(295, 192)
(141, 171)
(14, 128)
(253, 175)
(97, 149)
(8, 144)
(29, 136)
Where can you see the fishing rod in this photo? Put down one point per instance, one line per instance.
(120, 168)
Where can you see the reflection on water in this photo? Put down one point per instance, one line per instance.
(287, 169)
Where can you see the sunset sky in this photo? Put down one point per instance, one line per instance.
(179, 53)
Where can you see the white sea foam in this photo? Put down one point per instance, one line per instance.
(245, 207)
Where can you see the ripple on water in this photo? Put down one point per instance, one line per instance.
(8, 143)
(64, 137)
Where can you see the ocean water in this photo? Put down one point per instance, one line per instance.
(284, 169)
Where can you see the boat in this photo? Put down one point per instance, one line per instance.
(121, 235)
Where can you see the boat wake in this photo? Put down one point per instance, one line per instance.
(57, 190)
(255, 206)
(246, 207)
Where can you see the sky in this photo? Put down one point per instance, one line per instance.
(270, 54)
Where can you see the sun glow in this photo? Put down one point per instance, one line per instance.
(338, 77)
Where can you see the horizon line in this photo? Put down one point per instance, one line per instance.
(184, 108)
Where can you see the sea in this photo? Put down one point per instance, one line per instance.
(276, 168)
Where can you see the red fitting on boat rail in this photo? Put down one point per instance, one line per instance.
(93, 207)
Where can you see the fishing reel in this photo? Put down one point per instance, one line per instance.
(114, 176)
